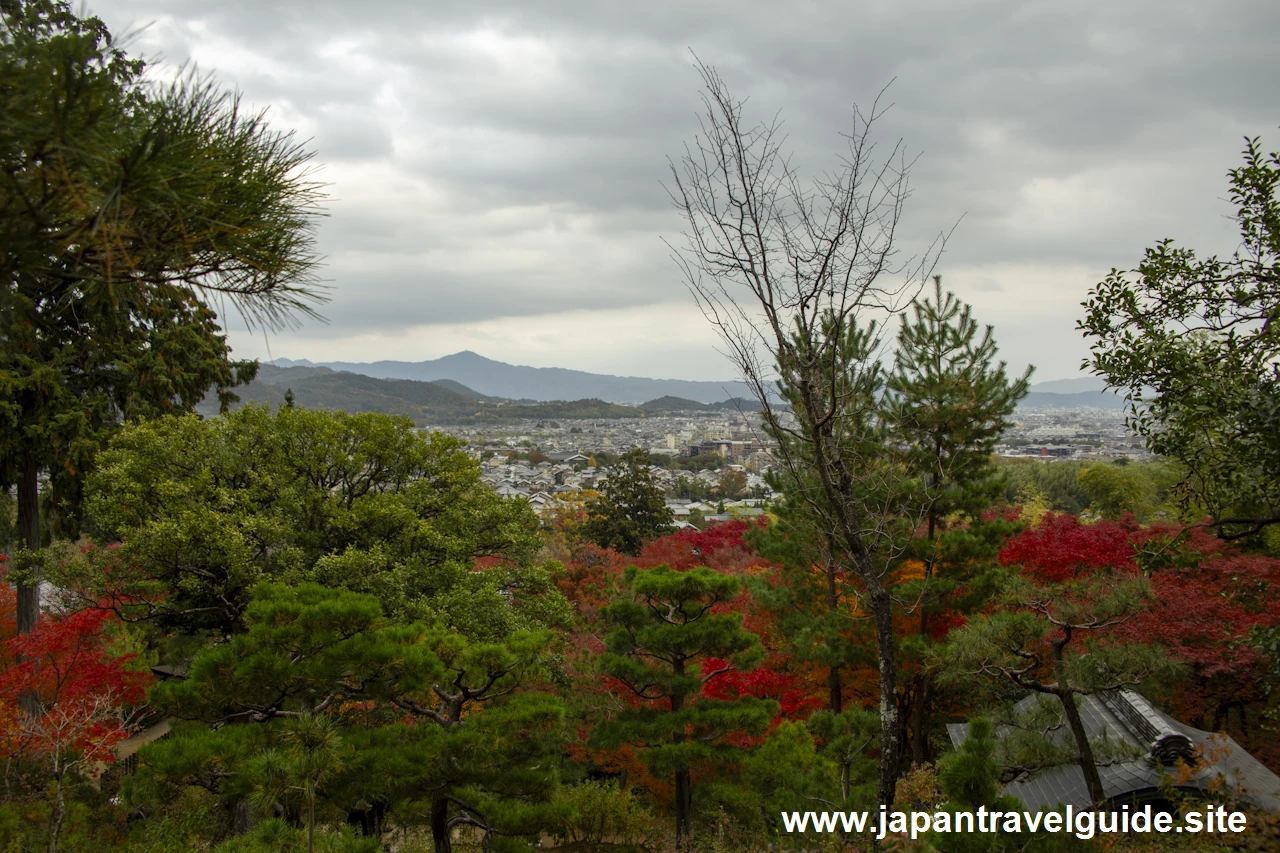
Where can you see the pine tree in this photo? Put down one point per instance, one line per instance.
(947, 405)
(123, 205)
(669, 639)
(1054, 638)
(631, 508)
(436, 723)
(359, 501)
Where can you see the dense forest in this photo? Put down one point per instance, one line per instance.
(291, 627)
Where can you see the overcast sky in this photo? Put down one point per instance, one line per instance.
(496, 168)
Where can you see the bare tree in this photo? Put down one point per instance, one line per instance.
(792, 274)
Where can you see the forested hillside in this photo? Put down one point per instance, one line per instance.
(442, 402)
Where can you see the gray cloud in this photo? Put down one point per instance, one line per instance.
(505, 159)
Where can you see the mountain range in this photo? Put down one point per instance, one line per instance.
(477, 378)
(516, 382)
(1079, 400)
(445, 401)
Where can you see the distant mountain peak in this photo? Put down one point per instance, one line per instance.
(1074, 385)
(498, 379)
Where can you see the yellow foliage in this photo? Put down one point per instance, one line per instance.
(911, 570)
(1035, 504)
(566, 512)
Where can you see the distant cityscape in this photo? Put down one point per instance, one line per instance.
(564, 453)
(538, 450)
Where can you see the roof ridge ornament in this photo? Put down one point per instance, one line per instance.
(1165, 744)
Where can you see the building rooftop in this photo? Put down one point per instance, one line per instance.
(1126, 716)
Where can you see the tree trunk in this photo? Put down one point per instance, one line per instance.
(882, 604)
(1087, 764)
(684, 802)
(684, 792)
(29, 538)
(919, 719)
(440, 825)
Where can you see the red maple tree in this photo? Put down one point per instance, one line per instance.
(66, 700)
(1209, 597)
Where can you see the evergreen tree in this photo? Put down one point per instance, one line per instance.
(669, 638)
(120, 205)
(207, 509)
(947, 405)
(1052, 638)
(631, 508)
(433, 724)
(970, 779)
(313, 753)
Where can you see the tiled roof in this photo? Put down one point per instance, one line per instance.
(1126, 716)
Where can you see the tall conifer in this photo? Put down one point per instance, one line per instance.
(948, 401)
(669, 639)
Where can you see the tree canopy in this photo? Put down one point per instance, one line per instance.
(365, 502)
(124, 207)
(630, 508)
(1194, 342)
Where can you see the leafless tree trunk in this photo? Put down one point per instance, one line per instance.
(786, 270)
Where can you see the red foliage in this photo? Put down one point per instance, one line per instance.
(592, 577)
(1062, 547)
(719, 546)
(1203, 618)
(84, 690)
(793, 695)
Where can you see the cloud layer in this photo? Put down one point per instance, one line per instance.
(496, 168)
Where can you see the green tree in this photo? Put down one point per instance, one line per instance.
(970, 778)
(947, 405)
(1051, 639)
(631, 508)
(1057, 484)
(663, 636)
(207, 509)
(1194, 344)
(313, 754)
(691, 489)
(477, 752)
(121, 205)
(732, 484)
(1116, 489)
(787, 270)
